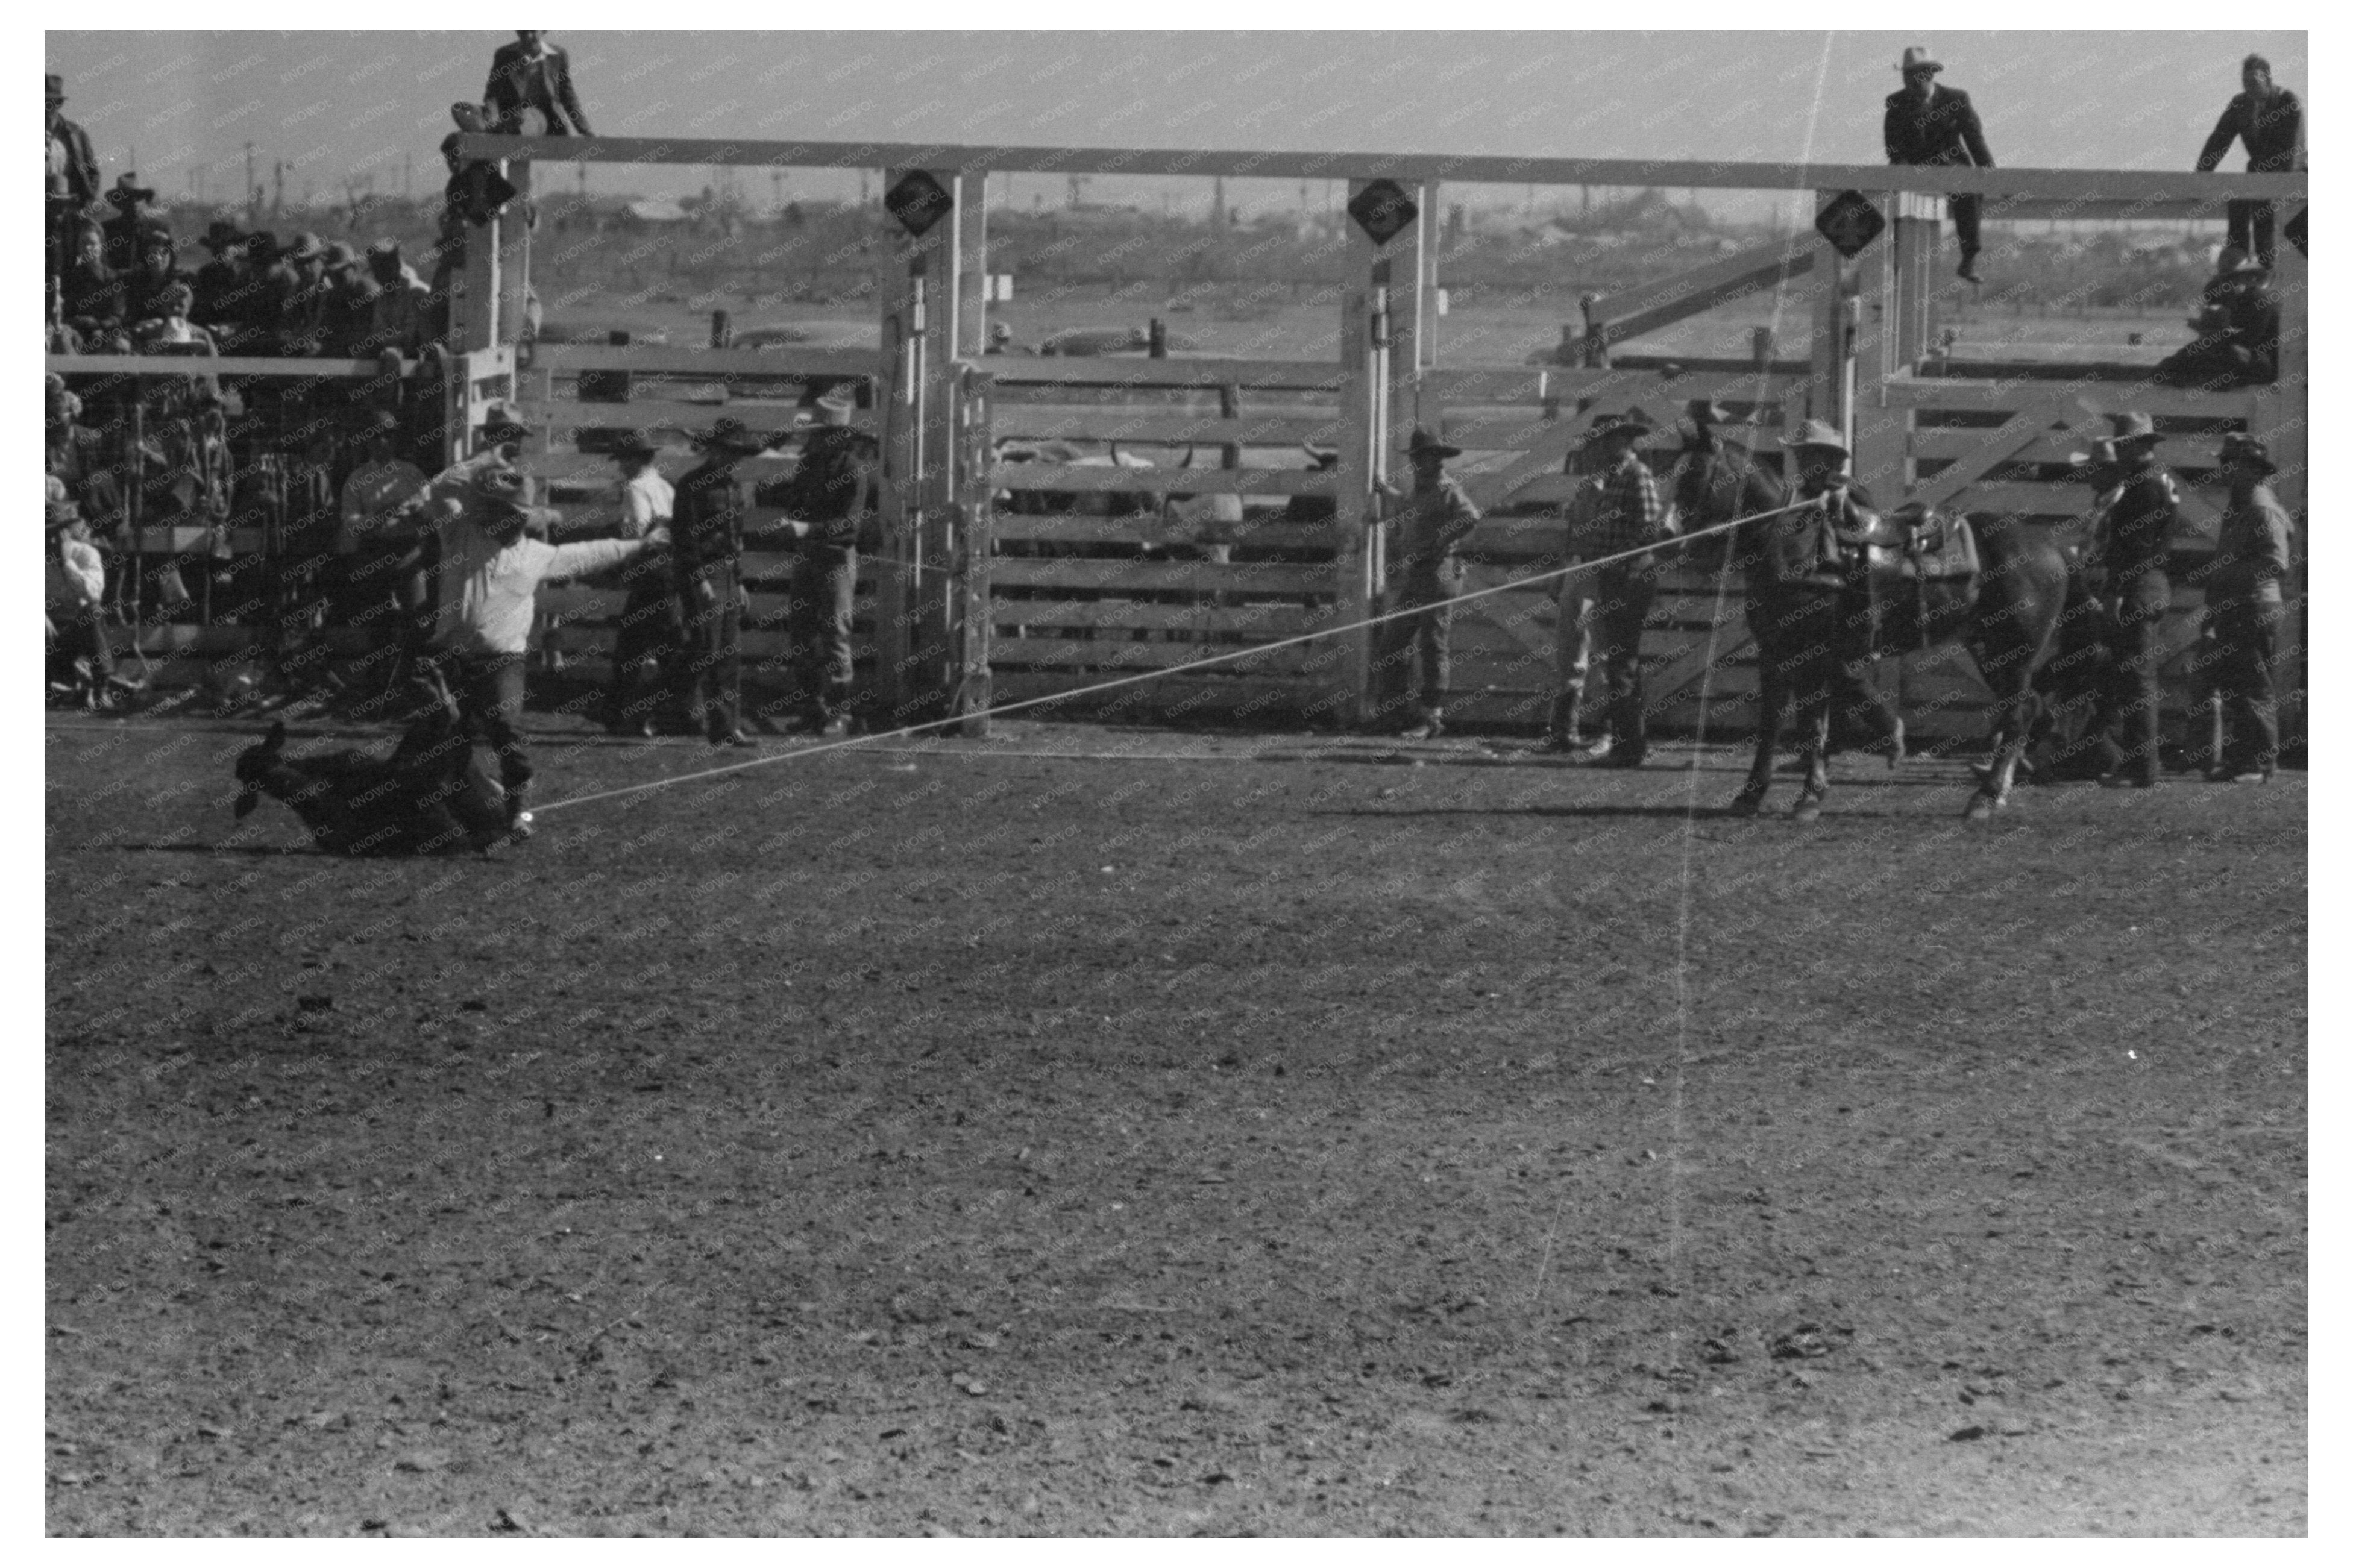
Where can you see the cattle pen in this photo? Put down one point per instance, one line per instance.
(991, 579)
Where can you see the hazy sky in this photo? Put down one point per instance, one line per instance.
(341, 106)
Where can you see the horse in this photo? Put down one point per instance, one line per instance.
(432, 796)
(2009, 614)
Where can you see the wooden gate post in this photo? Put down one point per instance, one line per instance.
(922, 292)
(512, 229)
(974, 517)
(1381, 308)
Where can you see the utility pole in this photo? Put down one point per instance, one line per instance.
(1217, 203)
(408, 176)
(278, 188)
(252, 188)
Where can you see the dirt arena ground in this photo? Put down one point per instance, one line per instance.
(1237, 1134)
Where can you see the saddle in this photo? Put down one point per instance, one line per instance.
(1925, 547)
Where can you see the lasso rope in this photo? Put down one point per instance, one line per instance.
(1253, 651)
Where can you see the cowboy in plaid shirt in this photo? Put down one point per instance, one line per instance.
(1626, 514)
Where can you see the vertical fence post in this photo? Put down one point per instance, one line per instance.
(512, 229)
(976, 535)
(964, 535)
(922, 303)
(1380, 307)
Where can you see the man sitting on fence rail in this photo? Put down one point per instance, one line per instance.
(2237, 328)
(1928, 125)
(2270, 121)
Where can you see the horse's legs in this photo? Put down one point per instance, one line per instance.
(1771, 696)
(1814, 738)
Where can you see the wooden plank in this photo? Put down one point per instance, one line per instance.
(1077, 479)
(1463, 388)
(1944, 442)
(2081, 401)
(1151, 530)
(1258, 622)
(2032, 416)
(792, 364)
(565, 415)
(1202, 375)
(1702, 289)
(1543, 456)
(265, 367)
(1119, 656)
(2210, 192)
(1144, 426)
(1161, 576)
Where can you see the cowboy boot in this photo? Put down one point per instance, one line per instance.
(1561, 733)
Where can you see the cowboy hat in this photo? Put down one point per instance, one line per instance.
(730, 435)
(2132, 425)
(835, 408)
(1633, 422)
(499, 421)
(630, 444)
(1423, 441)
(2102, 454)
(306, 247)
(127, 190)
(1917, 59)
(383, 421)
(222, 234)
(263, 242)
(1705, 411)
(502, 488)
(57, 86)
(1815, 433)
(2240, 447)
(340, 256)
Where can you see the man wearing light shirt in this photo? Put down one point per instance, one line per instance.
(488, 575)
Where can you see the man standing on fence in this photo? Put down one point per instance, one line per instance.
(2271, 123)
(2140, 527)
(1627, 514)
(824, 502)
(72, 177)
(706, 553)
(1928, 125)
(1432, 522)
(2245, 606)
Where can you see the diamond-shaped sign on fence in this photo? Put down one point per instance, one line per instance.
(917, 201)
(2295, 231)
(1850, 222)
(1383, 210)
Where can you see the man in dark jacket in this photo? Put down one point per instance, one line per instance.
(72, 176)
(824, 502)
(2270, 121)
(128, 230)
(1936, 125)
(2245, 608)
(530, 91)
(706, 549)
(2140, 525)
